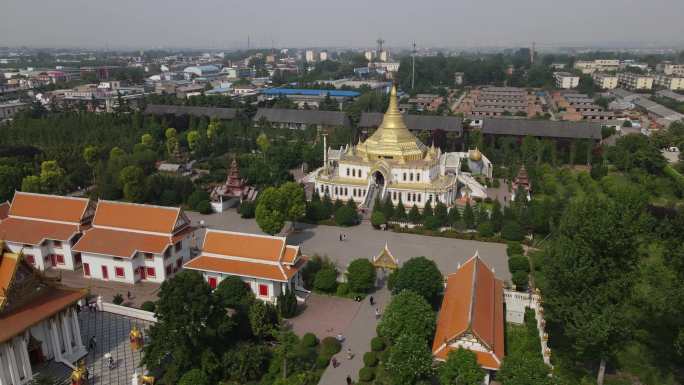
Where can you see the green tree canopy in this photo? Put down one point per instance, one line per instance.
(407, 313)
(461, 368)
(421, 276)
(410, 360)
(270, 211)
(361, 275)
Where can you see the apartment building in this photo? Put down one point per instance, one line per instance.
(498, 101)
(634, 81)
(605, 81)
(669, 68)
(566, 80)
(670, 82)
(598, 65)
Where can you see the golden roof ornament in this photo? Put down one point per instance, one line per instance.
(392, 140)
(80, 375)
(475, 155)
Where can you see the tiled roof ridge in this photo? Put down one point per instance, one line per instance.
(275, 237)
(48, 195)
(174, 208)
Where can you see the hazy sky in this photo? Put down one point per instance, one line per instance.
(302, 23)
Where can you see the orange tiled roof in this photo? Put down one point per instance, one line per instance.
(473, 302)
(291, 253)
(8, 266)
(4, 210)
(251, 246)
(156, 219)
(48, 207)
(34, 232)
(485, 359)
(120, 243)
(242, 268)
(52, 302)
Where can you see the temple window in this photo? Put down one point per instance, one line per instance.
(404, 176)
(347, 172)
(353, 172)
(360, 174)
(411, 177)
(418, 177)
(419, 197)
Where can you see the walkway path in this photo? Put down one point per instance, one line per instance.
(357, 338)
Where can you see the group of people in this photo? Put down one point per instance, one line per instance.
(343, 237)
(340, 337)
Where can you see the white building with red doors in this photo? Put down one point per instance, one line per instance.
(267, 264)
(44, 228)
(131, 242)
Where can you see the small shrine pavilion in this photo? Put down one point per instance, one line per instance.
(521, 181)
(233, 191)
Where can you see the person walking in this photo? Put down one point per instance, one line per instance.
(372, 300)
(349, 380)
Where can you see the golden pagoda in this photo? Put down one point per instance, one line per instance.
(392, 140)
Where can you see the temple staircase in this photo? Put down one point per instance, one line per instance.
(476, 189)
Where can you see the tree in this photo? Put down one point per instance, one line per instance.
(264, 143)
(346, 216)
(378, 218)
(90, 155)
(496, 218)
(10, 180)
(524, 368)
(468, 216)
(51, 176)
(193, 137)
(233, 293)
(263, 319)
(361, 276)
(171, 141)
(414, 215)
(421, 276)
(293, 196)
(270, 211)
(147, 140)
(427, 210)
(454, 216)
(461, 368)
(511, 231)
(194, 377)
(326, 280)
(31, 183)
(407, 313)
(410, 360)
(590, 274)
(245, 362)
(400, 211)
(441, 213)
(287, 304)
(188, 323)
(132, 178)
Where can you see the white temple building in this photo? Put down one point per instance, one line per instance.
(393, 162)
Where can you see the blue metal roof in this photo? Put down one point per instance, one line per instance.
(299, 91)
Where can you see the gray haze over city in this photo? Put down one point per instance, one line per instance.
(351, 23)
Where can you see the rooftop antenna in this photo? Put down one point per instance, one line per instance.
(413, 65)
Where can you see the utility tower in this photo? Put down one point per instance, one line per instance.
(380, 42)
(413, 65)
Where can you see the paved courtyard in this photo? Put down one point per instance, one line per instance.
(324, 316)
(140, 292)
(364, 241)
(111, 336)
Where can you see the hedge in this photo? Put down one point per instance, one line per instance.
(520, 279)
(148, 306)
(309, 340)
(518, 263)
(377, 344)
(342, 289)
(370, 359)
(322, 361)
(514, 248)
(326, 280)
(366, 374)
(330, 346)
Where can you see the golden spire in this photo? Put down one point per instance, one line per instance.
(392, 140)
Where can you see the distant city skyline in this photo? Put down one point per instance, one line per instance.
(214, 24)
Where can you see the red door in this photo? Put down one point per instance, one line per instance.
(53, 259)
(86, 269)
(142, 272)
(105, 273)
(212, 282)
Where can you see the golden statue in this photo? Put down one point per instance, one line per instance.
(136, 338)
(147, 380)
(80, 375)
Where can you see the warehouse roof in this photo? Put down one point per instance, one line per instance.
(310, 92)
(211, 112)
(542, 128)
(416, 122)
(281, 115)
